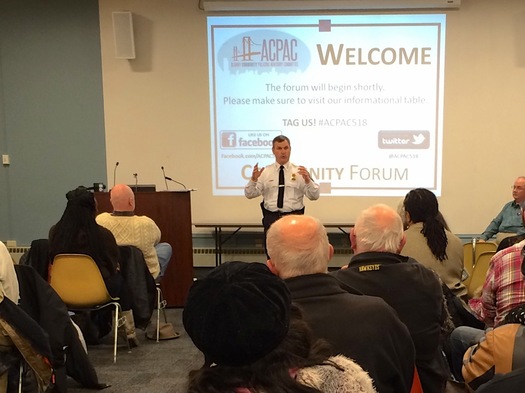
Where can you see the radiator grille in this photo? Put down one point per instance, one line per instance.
(17, 250)
(249, 251)
(228, 251)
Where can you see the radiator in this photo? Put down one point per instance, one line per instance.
(205, 256)
(17, 252)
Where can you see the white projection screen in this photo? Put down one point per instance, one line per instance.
(359, 96)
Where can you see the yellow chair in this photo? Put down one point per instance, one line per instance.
(468, 260)
(77, 280)
(479, 273)
(471, 252)
(482, 247)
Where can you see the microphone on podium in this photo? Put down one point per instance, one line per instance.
(170, 179)
(164, 175)
(136, 176)
(115, 173)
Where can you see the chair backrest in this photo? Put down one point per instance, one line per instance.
(482, 247)
(471, 251)
(78, 281)
(479, 273)
(468, 260)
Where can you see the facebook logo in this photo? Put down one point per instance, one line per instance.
(228, 139)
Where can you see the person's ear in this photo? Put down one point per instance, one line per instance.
(272, 267)
(330, 251)
(402, 243)
(408, 220)
(353, 239)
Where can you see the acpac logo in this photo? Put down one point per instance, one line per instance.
(228, 139)
(263, 51)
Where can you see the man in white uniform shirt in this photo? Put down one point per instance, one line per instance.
(281, 199)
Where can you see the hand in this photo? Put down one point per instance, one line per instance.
(304, 173)
(256, 172)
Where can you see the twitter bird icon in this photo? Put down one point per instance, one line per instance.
(418, 139)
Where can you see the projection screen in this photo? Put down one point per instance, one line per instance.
(359, 96)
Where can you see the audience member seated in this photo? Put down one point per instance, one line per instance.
(508, 221)
(78, 233)
(8, 280)
(504, 286)
(500, 351)
(413, 290)
(43, 304)
(429, 242)
(19, 330)
(511, 240)
(138, 231)
(9, 289)
(480, 355)
(361, 327)
(502, 302)
(240, 316)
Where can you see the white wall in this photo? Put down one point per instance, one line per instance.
(156, 111)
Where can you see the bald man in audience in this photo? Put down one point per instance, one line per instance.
(363, 328)
(139, 231)
(508, 221)
(414, 291)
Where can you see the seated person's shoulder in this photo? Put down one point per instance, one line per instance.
(102, 217)
(454, 239)
(145, 220)
(513, 249)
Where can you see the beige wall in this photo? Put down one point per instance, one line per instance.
(156, 111)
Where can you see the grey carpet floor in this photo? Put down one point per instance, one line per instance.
(155, 367)
(151, 367)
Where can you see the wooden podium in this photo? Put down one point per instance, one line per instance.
(171, 211)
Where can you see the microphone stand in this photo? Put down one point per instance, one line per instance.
(175, 181)
(165, 179)
(115, 174)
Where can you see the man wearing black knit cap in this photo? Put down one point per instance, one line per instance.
(214, 317)
(241, 317)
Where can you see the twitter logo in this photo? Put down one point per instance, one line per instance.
(403, 139)
(418, 139)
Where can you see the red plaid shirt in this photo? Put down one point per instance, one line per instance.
(504, 286)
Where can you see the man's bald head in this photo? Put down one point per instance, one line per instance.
(122, 198)
(298, 245)
(378, 228)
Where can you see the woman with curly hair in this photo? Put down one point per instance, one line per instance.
(430, 242)
(77, 232)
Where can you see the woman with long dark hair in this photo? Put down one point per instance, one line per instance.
(430, 242)
(77, 232)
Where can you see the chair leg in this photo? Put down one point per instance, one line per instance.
(158, 312)
(161, 305)
(21, 376)
(115, 333)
